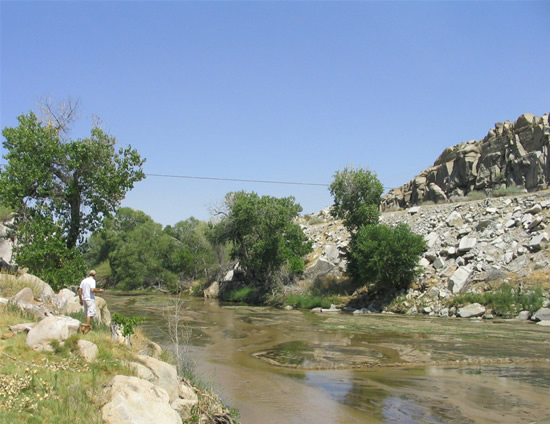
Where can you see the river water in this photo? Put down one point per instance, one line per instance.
(279, 366)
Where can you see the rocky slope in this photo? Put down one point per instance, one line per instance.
(511, 154)
(469, 245)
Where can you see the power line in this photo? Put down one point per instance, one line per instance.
(235, 179)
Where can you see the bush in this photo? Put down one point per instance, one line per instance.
(505, 300)
(242, 295)
(308, 301)
(476, 195)
(384, 255)
(512, 190)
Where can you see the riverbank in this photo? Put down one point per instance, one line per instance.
(73, 377)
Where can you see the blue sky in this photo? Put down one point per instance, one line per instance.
(282, 91)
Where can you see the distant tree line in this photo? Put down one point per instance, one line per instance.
(66, 194)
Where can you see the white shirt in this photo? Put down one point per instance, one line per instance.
(86, 285)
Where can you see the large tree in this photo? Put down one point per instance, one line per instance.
(66, 186)
(77, 182)
(378, 254)
(356, 194)
(263, 234)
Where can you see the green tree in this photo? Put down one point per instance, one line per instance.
(387, 256)
(77, 182)
(265, 239)
(196, 250)
(71, 185)
(356, 194)
(138, 251)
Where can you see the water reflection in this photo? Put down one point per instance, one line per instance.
(295, 367)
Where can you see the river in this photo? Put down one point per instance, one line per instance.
(279, 366)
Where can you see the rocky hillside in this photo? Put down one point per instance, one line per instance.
(470, 245)
(511, 154)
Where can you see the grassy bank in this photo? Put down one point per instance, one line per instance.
(59, 387)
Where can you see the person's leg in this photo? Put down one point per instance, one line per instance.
(90, 312)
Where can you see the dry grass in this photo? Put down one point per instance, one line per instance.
(10, 285)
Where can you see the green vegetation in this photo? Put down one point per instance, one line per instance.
(508, 191)
(308, 301)
(60, 190)
(128, 323)
(387, 256)
(356, 195)
(242, 295)
(134, 252)
(377, 254)
(5, 213)
(58, 387)
(265, 240)
(506, 301)
(476, 195)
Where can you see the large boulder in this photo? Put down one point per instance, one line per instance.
(133, 400)
(61, 299)
(543, 314)
(39, 287)
(471, 311)
(163, 375)
(51, 328)
(23, 296)
(459, 279)
(103, 313)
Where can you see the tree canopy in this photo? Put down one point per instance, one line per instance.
(263, 234)
(66, 187)
(356, 194)
(138, 253)
(380, 254)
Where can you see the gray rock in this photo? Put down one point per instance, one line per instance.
(20, 328)
(454, 219)
(213, 291)
(524, 315)
(87, 350)
(459, 279)
(23, 296)
(51, 328)
(165, 375)
(136, 401)
(466, 244)
(539, 241)
(471, 311)
(543, 314)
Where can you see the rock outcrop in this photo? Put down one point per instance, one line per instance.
(515, 154)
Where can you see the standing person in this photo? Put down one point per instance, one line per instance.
(86, 293)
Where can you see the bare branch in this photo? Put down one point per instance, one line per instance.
(60, 115)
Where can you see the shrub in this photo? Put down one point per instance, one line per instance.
(242, 295)
(504, 300)
(307, 301)
(512, 190)
(387, 256)
(476, 195)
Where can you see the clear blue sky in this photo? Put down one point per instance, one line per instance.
(284, 91)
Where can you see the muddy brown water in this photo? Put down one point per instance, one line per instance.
(299, 367)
